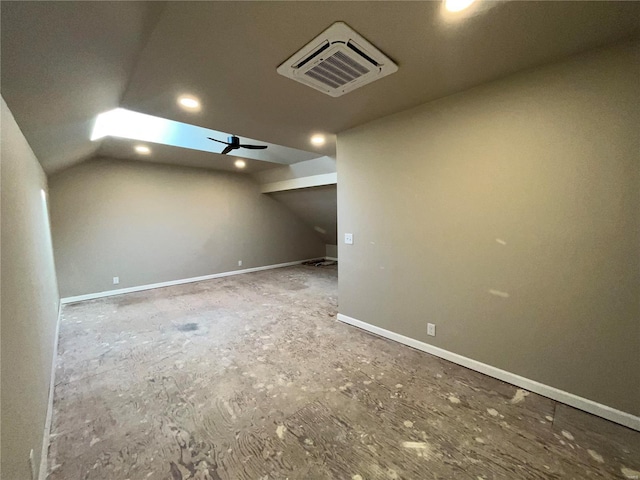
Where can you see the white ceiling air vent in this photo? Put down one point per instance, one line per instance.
(337, 61)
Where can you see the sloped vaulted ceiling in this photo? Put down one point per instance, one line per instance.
(63, 63)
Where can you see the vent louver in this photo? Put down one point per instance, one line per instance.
(337, 61)
(337, 70)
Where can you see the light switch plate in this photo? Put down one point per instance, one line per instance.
(348, 238)
(431, 329)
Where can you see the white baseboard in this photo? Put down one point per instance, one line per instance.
(581, 403)
(120, 291)
(42, 473)
(333, 259)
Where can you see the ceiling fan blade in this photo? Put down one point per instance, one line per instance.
(226, 150)
(219, 141)
(254, 147)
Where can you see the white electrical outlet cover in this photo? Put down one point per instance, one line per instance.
(431, 329)
(116, 280)
(348, 238)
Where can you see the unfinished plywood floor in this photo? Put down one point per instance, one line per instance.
(251, 377)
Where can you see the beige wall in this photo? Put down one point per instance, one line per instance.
(29, 303)
(149, 223)
(315, 206)
(528, 187)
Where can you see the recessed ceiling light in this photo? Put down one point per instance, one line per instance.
(318, 140)
(189, 102)
(142, 149)
(457, 5)
(240, 163)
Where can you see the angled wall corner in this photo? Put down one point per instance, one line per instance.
(308, 189)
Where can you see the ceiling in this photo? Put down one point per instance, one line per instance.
(167, 154)
(63, 63)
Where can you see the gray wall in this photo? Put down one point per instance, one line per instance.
(527, 186)
(149, 223)
(29, 302)
(331, 251)
(315, 206)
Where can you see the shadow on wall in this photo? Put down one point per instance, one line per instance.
(29, 304)
(316, 206)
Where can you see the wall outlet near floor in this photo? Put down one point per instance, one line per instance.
(32, 465)
(239, 263)
(116, 280)
(431, 329)
(348, 238)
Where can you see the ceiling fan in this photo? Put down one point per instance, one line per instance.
(233, 143)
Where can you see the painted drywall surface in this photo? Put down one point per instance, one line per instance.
(148, 223)
(85, 53)
(29, 302)
(316, 166)
(315, 206)
(331, 251)
(509, 216)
